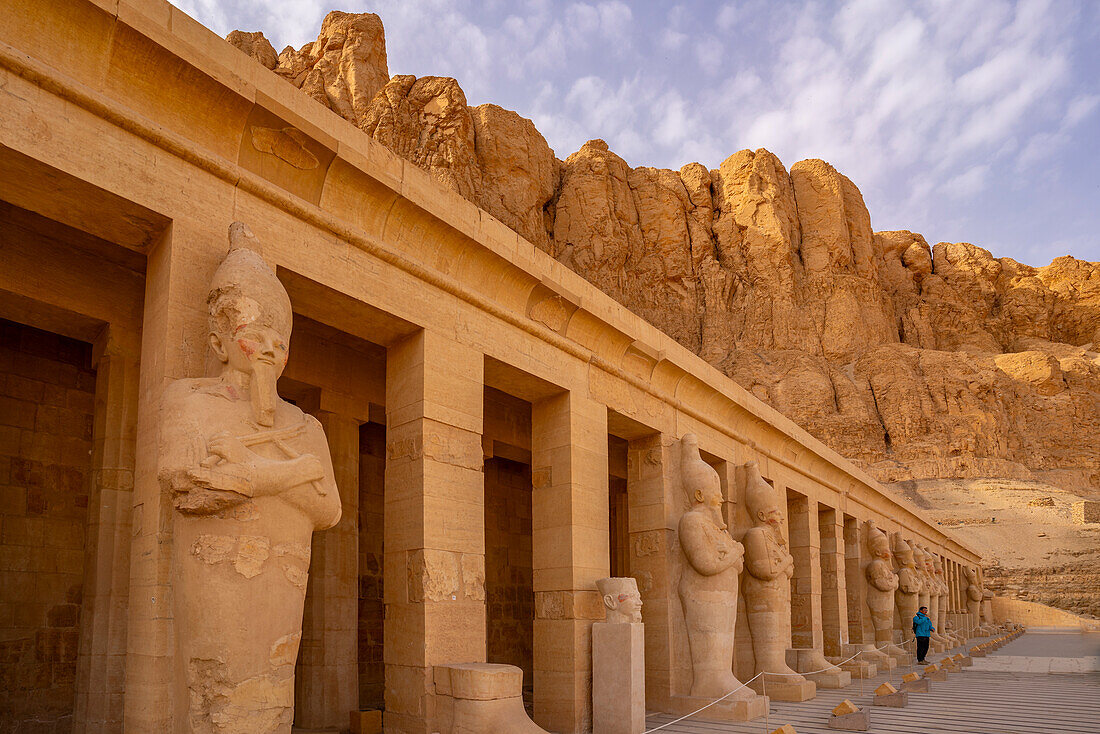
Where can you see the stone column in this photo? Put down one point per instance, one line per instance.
(853, 584)
(570, 551)
(805, 544)
(177, 268)
(326, 685)
(101, 661)
(834, 600)
(651, 461)
(434, 578)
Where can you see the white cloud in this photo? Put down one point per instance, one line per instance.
(924, 104)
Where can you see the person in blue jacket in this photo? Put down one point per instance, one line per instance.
(923, 629)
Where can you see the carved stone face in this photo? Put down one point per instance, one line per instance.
(772, 516)
(252, 347)
(630, 606)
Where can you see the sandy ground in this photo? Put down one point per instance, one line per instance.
(995, 517)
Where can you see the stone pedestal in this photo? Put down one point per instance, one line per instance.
(618, 678)
(937, 675)
(976, 653)
(897, 700)
(746, 708)
(858, 669)
(474, 698)
(881, 660)
(812, 664)
(835, 678)
(902, 659)
(778, 690)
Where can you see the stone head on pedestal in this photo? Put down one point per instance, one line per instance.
(621, 600)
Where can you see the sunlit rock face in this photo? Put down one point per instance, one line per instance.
(914, 361)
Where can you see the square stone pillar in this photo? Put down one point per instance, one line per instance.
(101, 661)
(834, 596)
(434, 577)
(570, 551)
(860, 631)
(805, 544)
(173, 345)
(326, 685)
(652, 462)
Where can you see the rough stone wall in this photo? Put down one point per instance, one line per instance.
(915, 361)
(509, 590)
(1074, 587)
(47, 395)
(372, 468)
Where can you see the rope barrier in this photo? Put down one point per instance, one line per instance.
(764, 685)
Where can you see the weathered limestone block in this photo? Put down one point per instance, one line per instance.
(917, 684)
(849, 717)
(897, 699)
(815, 667)
(1086, 511)
(935, 672)
(252, 479)
(474, 698)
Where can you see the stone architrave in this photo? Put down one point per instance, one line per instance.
(909, 584)
(767, 588)
(708, 584)
(618, 660)
(882, 584)
(251, 478)
(973, 599)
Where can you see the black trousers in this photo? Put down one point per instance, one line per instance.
(922, 647)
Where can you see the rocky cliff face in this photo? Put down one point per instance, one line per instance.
(915, 362)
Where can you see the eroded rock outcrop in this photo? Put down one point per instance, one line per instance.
(915, 361)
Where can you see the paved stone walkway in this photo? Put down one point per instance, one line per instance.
(1045, 653)
(972, 702)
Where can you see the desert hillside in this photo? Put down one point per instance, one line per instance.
(922, 364)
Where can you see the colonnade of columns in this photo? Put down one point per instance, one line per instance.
(434, 569)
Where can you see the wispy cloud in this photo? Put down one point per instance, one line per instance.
(964, 119)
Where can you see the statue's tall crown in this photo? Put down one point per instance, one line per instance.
(244, 288)
(902, 550)
(696, 473)
(759, 495)
(877, 541)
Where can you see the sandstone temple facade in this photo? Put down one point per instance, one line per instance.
(502, 434)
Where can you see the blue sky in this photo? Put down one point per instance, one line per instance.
(965, 120)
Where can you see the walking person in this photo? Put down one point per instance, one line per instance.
(923, 629)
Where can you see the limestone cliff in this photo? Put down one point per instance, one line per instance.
(916, 362)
